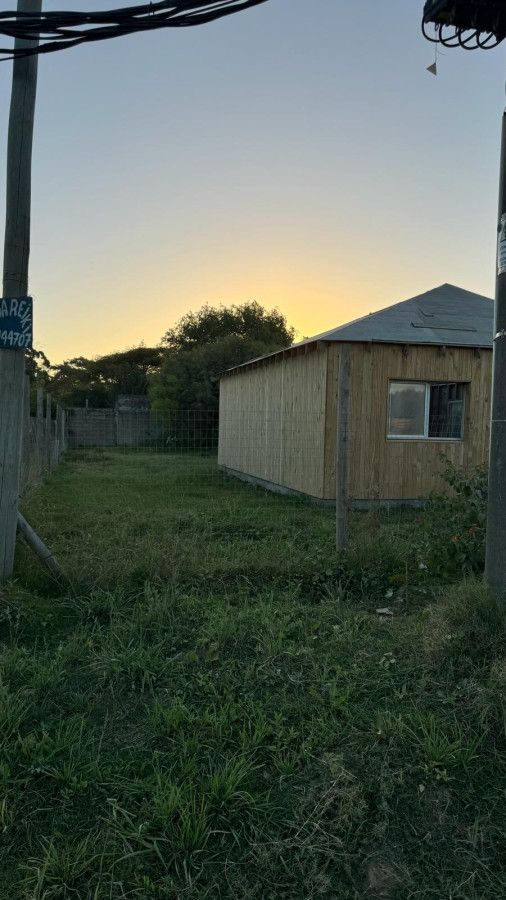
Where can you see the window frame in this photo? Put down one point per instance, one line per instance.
(425, 436)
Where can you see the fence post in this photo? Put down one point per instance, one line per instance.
(57, 433)
(25, 447)
(64, 424)
(47, 448)
(342, 445)
(40, 432)
(53, 450)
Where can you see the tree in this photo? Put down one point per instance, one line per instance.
(37, 366)
(74, 383)
(210, 324)
(185, 379)
(205, 343)
(128, 372)
(99, 381)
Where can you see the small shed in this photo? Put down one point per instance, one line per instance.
(369, 406)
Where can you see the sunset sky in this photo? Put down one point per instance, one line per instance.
(298, 154)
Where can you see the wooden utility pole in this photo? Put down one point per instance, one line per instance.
(15, 284)
(495, 553)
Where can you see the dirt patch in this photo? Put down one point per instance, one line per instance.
(381, 879)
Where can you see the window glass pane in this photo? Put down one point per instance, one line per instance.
(407, 409)
(446, 410)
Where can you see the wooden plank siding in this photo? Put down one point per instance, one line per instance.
(329, 477)
(278, 421)
(272, 422)
(383, 469)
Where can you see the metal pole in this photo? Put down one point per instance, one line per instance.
(495, 557)
(15, 284)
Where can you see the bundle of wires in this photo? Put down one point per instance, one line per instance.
(469, 24)
(58, 30)
(449, 36)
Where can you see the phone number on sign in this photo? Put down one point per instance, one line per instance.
(15, 339)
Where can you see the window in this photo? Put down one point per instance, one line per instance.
(418, 409)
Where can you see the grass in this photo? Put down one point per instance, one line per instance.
(210, 706)
(144, 515)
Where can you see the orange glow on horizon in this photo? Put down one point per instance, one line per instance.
(311, 301)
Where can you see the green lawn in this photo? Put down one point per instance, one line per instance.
(211, 707)
(116, 517)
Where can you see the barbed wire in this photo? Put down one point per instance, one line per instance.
(60, 30)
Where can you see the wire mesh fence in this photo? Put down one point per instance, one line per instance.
(141, 430)
(44, 437)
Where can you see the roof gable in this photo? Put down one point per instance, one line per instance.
(444, 315)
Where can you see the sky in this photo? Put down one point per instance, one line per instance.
(297, 154)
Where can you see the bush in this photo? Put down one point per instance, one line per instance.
(379, 557)
(452, 529)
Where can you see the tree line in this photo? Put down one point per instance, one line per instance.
(177, 374)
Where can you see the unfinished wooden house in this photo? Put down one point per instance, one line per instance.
(369, 406)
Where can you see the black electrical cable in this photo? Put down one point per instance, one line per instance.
(485, 39)
(474, 40)
(470, 42)
(59, 30)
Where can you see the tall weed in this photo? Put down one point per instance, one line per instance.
(451, 532)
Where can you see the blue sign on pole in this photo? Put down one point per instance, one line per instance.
(16, 323)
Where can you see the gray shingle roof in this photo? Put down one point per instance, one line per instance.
(445, 315)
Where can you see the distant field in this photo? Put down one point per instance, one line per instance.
(211, 706)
